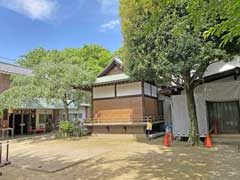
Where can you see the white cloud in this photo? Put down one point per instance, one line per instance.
(34, 9)
(109, 6)
(110, 25)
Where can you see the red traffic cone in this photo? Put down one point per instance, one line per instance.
(170, 136)
(165, 143)
(208, 143)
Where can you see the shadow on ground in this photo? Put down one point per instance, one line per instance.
(178, 162)
(126, 159)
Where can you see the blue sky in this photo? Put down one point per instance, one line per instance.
(57, 24)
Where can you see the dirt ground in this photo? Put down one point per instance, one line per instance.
(117, 158)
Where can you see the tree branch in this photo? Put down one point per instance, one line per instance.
(173, 80)
(70, 102)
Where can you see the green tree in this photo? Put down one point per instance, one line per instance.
(33, 57)
(93, 57)
(119, 53)
(51, 81)
(224, 17)
(161, 44)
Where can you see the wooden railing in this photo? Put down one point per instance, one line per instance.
(125, 120)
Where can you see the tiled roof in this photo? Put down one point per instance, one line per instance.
(222, 66)
(44, 104)
(14, 69)
(111, 78)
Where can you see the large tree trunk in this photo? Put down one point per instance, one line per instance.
(194, 138)
(66, 112)
(65, 102)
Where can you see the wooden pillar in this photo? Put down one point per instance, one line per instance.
(92, 110)
(13, 124)
(30, 119)
(21, 123)
(115, 90)
(157, 103)
(86, 113)
(143, 99)
(8, 118)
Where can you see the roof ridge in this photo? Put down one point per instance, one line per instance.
(115, 59)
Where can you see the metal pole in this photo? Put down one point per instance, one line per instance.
(7, 151)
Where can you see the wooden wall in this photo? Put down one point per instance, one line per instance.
(115, 70)
(124, 102)
(150, 106)
(124, 109)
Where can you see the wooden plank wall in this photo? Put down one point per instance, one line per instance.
(118, 109)
(150, 106)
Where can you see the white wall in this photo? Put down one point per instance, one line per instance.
(167, 108)
(103, 92)
(214, 91)
(129, 89)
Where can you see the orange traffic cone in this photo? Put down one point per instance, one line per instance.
(165, 143)
(208, 143)
(170, 136)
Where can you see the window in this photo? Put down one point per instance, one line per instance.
(80, 115)
(44, 118)
(73, 116)
(61, 117)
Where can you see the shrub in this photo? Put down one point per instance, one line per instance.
(66, 127)
(69, 128)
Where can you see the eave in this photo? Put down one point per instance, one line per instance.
(232, 72)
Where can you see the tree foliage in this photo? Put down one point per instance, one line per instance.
(93, 57)
(161, 44)
(224, 17)
(51, 81)
(55, 75)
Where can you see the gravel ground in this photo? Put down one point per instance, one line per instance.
(119, 157)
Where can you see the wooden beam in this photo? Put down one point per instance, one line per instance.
(118, 97)
(143, 99)
(115, 90)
